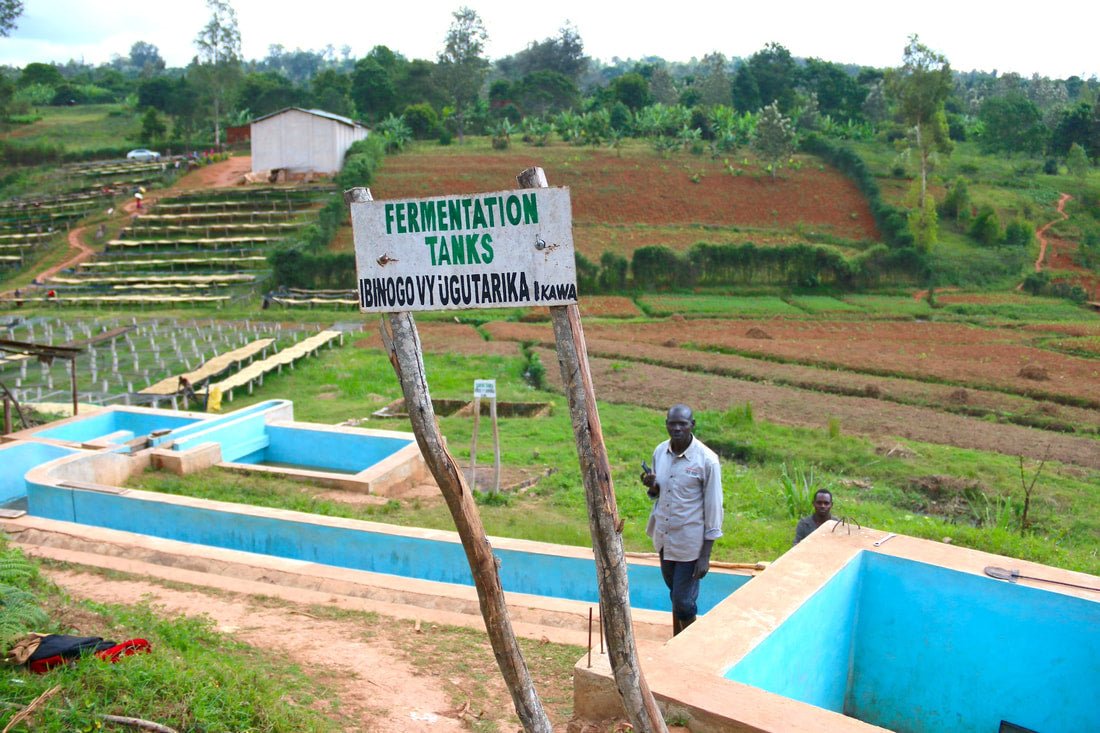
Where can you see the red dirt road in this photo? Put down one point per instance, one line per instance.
(1042, 231)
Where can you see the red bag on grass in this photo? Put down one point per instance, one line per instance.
(57, 649)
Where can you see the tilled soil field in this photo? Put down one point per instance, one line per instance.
(961, 355)
(630, 371)
(635, 190)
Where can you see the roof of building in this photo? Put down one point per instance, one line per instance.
(318, 112)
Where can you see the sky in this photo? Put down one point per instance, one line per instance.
(1007, 36)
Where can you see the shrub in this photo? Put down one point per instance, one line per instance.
(957, 200)
(361, 161)
(1019, 231)
(587, 274)
(986, 227)
(422, 120)
(613, 269)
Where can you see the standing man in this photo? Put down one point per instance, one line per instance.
(823, 512)
(686, 484)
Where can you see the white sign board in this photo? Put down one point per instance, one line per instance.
(487, 250)
(485, 388)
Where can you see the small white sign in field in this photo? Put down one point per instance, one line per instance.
(485, 388)
(489, 250)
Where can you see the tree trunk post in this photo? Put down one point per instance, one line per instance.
(603, 514)
(402, 342)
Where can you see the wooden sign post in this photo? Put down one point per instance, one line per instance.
(506, 249)
(485, 388)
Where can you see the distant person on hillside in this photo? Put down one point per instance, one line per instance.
(184, 387)
(823, 512)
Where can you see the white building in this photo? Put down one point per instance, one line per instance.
(302, 140)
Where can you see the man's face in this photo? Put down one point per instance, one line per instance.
(823, 505)
(679, 425)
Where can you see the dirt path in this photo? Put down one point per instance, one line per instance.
(1042, 231)
(377, 688)
(216, 175)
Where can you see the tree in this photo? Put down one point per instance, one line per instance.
(839, 95)
(145, 58)
(10, 10)
(1077, 161)
(774, 74)
(632, 90)
(462, 65)
(920, 88)
(563, 55)
(662, 87)
(153, 128)
(545, 92)
(1073, 127)
(715, 86)
(219, 44)
(374, 86)
(774, 138)
(331, 91)
(39, 73)
(1012, 124)
(267, 92)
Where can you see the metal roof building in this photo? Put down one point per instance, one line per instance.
(302, 140)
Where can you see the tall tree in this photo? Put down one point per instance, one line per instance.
(920, 87)
(145, 58)
(715, 86)
(839, 94)
(219, 44)
(773, 70)
(10, 10)
(563, 55)
(331, 91)
(462, 64)
(374, 84)
(1012, 124)
(774, 137)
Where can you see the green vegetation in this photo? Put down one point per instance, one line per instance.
(921, 489)
(958, 172)
(194, 679)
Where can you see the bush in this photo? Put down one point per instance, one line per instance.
(613, 270)
(1020, 232)
(361, 161)
(422, 120)
(587, 274)
(986, 227)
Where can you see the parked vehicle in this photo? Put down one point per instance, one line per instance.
(143, 155)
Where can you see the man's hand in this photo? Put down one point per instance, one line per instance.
(702, 565)
(649, 480)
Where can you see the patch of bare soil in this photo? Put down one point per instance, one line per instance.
(222, 174)
(658, 387)
(892, 389)
(932, 351)
(363, 660)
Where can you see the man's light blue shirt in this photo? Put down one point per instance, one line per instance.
(689, 507)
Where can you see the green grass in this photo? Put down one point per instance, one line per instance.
(1025, 308)
(887, 306)
(82, 127)
(715, 305)
(814, 304)
(1066, 520)
(195, 678)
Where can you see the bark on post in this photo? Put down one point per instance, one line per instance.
(402, 341)
(603, 513)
